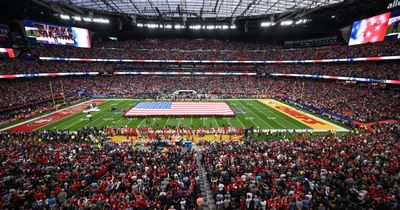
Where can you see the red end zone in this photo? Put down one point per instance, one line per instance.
(48, 119)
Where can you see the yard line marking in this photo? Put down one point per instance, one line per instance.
(78, 115)
(128, 120)
(237, 117)
(154, 120)
(295, 126)
(166, 122)
(74, 124)
(241, 122)
(74, 118)
(141, 122)
(118, 121)
(257, 117)
(216, 121)
(123, 106)
(98, 115)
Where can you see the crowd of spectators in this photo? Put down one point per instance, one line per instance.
(84, 170)
(377, 70)
(185, 44)
(352, 172)
(13, 92)
(70, 170)
(19, 66)
(18, 101)
(359, 103)
(180, 49)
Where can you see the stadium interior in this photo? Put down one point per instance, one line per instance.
(200, 104)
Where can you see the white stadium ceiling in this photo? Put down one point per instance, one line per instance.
(197, 8)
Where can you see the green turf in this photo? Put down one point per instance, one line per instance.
(256, 115)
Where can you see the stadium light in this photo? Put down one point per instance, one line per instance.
(150, 25)
(177, 26)
(140, 25)
(233, 26)
(302, 21)
(267, 24)
(333, 16)
(195, 27)
(77, 18)
(101, 20)
(65, 17)
(225, 27)
(287, 23)
(87, 19)
(210, 27)
(168, 26)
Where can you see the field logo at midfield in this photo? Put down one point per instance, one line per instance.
(239, 111)
(300, 116)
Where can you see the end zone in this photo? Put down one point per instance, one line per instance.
(312, 121)
(47, 119)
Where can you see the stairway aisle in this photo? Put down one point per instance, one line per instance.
(204, 184)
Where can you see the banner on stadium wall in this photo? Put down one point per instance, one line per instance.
(370, 80)
(357, 79)
(166, 73)
(13, 76)
(336, 60)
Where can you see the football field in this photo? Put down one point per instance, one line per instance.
(262, 114)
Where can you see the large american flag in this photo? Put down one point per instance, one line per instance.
(372, 29)
(144, 109)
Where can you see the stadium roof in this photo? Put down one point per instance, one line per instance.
(197, 8)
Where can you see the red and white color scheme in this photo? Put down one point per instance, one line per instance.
(372, 29)
(187, 73)
(145, 109)
(9, 51)
(13, 76)
(330, 60)
(48, 119)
